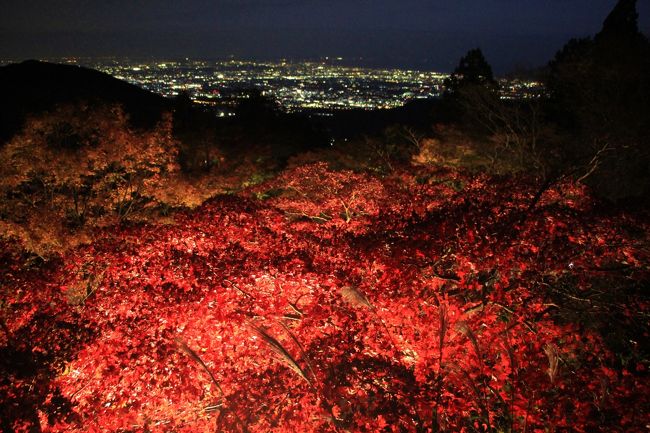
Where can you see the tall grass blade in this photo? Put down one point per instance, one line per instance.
(277, 348)
(196, 358)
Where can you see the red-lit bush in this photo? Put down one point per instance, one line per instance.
(428, 301)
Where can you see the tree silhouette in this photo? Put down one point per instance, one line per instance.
(600, 89)
(472, 70)
(621, 22)
(472, 80)
(510, 130)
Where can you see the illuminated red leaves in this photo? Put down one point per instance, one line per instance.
(429, 304)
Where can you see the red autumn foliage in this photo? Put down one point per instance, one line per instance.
(337, 301)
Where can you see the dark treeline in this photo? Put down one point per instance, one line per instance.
(593, 123)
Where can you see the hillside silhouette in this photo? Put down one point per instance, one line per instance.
(33, 87)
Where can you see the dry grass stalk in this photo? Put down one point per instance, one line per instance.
(302, 349)
(355, 297)
(444, 325)
(551, 351)
(277, 348)
(464, 329)
(195, 357)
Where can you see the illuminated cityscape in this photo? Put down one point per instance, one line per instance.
(323, 85)
(320, 85)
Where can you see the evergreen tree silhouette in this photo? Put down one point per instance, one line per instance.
(472, 70)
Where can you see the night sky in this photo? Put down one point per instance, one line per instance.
(427, 34)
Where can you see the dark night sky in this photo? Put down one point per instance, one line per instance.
(429, 34)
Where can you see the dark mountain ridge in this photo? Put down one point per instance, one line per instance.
(32, 87)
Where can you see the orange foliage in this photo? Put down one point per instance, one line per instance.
(80, 164)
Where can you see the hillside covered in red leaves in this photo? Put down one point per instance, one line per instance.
(328, 300)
